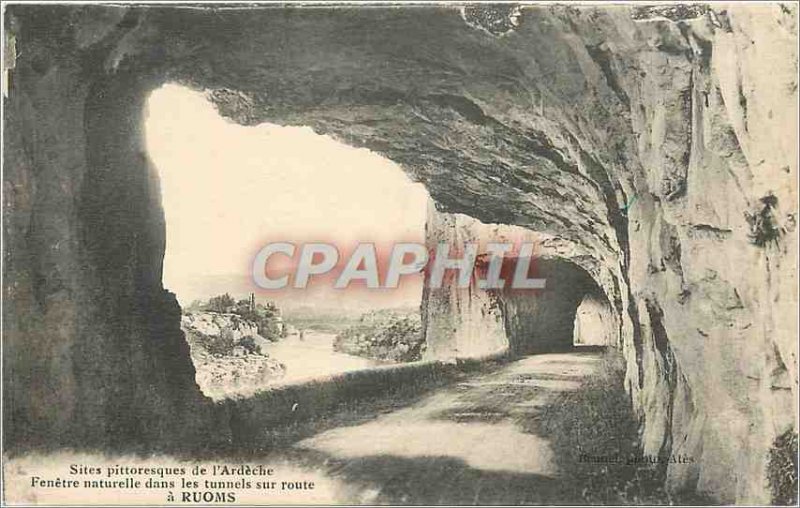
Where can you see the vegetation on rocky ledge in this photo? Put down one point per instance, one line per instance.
(782, 469)
(266, 316)
(383, 335)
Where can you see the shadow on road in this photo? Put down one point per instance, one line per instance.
(472, 442)
(449, 481)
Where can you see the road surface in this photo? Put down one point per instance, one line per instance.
(469, 443)
(473, 442)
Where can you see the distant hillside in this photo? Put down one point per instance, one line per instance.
(331, 319)
(239, 286)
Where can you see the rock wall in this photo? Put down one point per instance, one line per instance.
(93, 352)
(224, 366)
(655, 147)
(462, 322)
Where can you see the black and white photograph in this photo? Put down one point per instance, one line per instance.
(359, 253)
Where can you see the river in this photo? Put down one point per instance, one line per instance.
(313, 357)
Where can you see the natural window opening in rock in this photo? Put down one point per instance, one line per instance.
(228, 190)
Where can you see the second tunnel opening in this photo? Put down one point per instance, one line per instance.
(571, 311)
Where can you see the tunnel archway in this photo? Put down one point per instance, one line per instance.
(228, 190)
(480, 322)
(543, 320)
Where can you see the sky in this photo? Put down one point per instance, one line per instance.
(228, 189)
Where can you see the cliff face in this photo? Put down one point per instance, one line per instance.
(229, 356)
(653, 148)
(93, 352)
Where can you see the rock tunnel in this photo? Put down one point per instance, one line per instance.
(544, 321)
(555, 123)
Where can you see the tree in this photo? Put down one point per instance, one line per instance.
(222, 344)
(221, 303)
(249, 344)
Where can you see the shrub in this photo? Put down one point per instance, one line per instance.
(266, 316)
(221, 303)
(782, 469)
(763, 223)
(383, 335)
(220, 345)
(249, 345)
(270, 328)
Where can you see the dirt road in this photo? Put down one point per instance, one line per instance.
(474, 442)
(478, 441)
